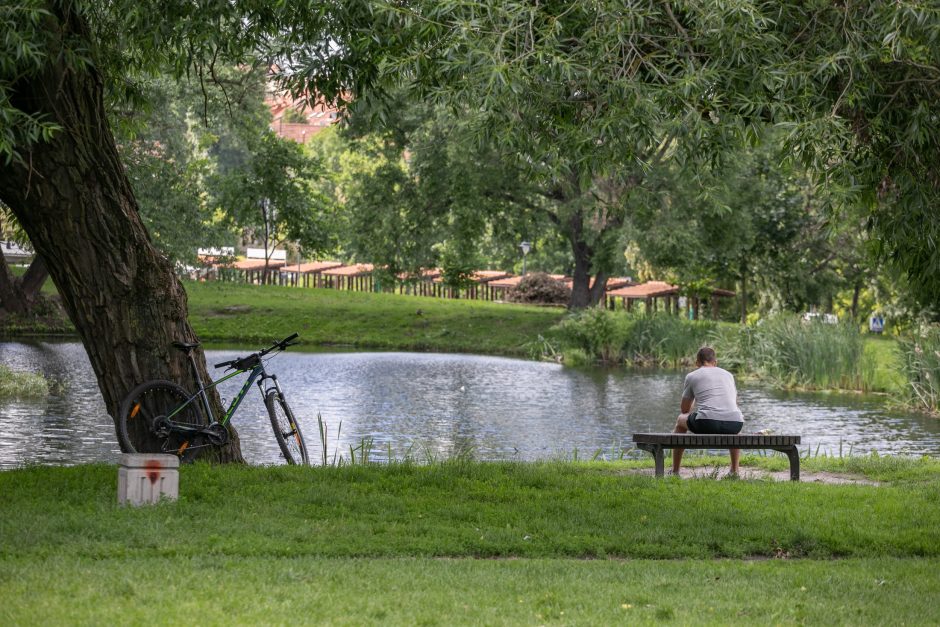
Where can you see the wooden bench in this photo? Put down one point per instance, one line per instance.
(655, 443)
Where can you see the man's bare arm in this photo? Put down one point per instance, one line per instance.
(685, 406)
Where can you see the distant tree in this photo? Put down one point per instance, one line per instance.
(416, 195)
(593, 96)
(760, 229)
(272, 195)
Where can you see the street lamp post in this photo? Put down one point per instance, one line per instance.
(526, 247)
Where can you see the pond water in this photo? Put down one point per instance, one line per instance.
(442, 405)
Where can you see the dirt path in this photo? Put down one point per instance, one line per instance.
(712, 472)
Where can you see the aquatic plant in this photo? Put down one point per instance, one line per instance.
(18, 384)
(920, 367)
(791, 352)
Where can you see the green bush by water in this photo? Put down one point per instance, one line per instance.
(619, 336)
(920, 368)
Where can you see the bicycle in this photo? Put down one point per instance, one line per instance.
(164, 413)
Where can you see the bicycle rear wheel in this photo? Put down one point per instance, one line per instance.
(286, 430)
(140, 428)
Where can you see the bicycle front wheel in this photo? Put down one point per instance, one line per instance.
(286, 430)
(142, 425)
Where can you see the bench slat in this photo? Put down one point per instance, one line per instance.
(693, 439)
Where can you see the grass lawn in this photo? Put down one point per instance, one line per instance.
(467, 542)
(223, 312)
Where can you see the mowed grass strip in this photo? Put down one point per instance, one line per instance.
(464, 509)
(226, 312)
(221, 590)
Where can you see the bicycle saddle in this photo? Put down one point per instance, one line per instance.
(186, 346)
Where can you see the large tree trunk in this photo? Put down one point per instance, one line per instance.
(583, 293)
(72, 198)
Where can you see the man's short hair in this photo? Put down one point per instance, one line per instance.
(706, 355)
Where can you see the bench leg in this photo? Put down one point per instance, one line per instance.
(657, 451)
(794, 456)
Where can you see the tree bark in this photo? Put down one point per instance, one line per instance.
(583, 293)
(33, 280)
(74, 201)
(743, 298)
(856, 293)
(19, 295)
(10, 299)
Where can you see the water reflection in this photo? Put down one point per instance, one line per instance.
(438, 405)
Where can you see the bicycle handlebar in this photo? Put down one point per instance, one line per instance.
(243, 363)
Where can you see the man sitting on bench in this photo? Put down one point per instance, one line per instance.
(716, 405)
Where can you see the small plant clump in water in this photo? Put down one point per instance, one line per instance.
(16, 384)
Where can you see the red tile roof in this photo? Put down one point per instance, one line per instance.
(655, 289)
(359, 269)
(513, 281)
(312, 267)
(427, 274)
(482, 276)
(254, 264)
(649, 289)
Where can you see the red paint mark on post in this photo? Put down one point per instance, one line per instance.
(153, 469)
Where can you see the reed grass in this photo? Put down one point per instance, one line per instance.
(920, 368)
(789, 352)
(19, 384)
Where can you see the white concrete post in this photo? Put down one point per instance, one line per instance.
(145, 479)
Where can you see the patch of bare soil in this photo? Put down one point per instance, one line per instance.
(756, 474)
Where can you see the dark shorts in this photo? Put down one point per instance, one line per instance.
(719, 427)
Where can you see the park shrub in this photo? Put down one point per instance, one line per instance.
(539, 288)
(920, 367)
(618, 336)
(599, 333)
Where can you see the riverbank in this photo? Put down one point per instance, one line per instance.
(252, 315)
(469, 543)
(221, 312)
(255, 315)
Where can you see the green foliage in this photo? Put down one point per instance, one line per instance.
(920, 367)
(22, 53)
(617, 336)
(665, 339)
(272, 195)
(790, 352)
(173, 143)
(595, 332)
(17, 384)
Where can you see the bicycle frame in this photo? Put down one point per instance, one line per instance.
(256, 372)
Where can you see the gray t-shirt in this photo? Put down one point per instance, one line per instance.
(712, 388)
